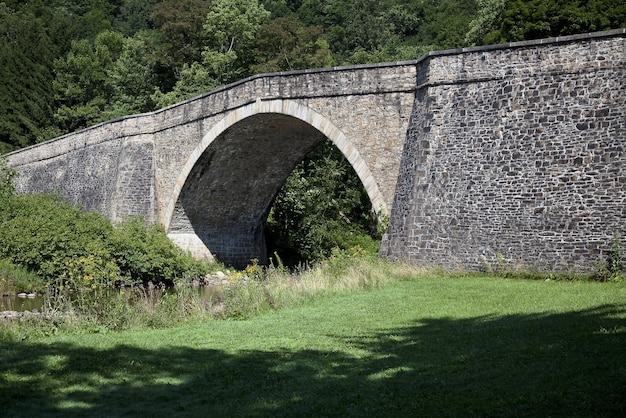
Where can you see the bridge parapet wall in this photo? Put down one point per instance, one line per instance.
(296, 85)
(567, 55)
(330, 82)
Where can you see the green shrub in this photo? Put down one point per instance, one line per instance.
(74, 249)
(43, 233)
(144, 253)
(615, 260)
(87, 273)
(613, 269)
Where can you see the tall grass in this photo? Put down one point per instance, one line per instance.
(277, 288)
(248, 293)
(251, 292)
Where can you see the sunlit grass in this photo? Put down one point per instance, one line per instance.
(430, 346)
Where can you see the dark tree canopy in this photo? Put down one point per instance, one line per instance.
(536, 19)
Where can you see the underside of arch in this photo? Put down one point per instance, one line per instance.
(226, 189)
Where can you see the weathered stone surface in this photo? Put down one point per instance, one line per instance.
(515, 157)
(502, 154)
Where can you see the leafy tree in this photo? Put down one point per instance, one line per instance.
(533, 19)
(26, 55)
(194, 80)
(86, 18)
(335, 17)
(131, 80)
(134, 16)
(489, 15)
(99, 16)
(281, 8)
(360, 31)
(111, 77)
(405, 19)
(180, 25)
(445, 23)
(286, 44)
(230, 29)
(321, 206)
(81, 86)
(366, 26)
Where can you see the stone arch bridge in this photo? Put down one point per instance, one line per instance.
(501, 155)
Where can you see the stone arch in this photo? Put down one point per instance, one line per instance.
(233, 236)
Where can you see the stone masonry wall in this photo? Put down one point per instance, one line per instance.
(515, 158)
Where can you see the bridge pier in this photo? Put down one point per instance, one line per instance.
(235, 247)
(238, 246)
(189, 241)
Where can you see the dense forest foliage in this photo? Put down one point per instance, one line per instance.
(68, 64)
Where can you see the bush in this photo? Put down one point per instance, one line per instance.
(144, 253)
(66, 246)
(276, 287)
(42, 233)
(613, 269)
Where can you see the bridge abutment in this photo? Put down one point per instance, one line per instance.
(516, 159)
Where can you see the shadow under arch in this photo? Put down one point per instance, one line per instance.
(224, 192)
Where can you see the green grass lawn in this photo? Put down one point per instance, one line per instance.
(426, 347)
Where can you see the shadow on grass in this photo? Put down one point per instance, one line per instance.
(571, 364)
